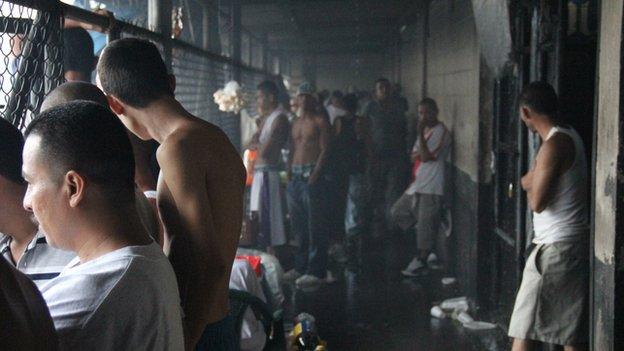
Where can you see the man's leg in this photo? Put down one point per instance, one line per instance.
(355, 219)
(395, 183)
(429, 207)
(298, 223)
(522, 345)
(319, 229)
(402, 214)
(378, 203)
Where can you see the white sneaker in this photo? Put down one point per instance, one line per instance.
(291, 275)
(308, 280)
(330, 279)
(432, 261)
(415, 268)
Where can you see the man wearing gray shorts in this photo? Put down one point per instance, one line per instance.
(552, 302)
(421, 203)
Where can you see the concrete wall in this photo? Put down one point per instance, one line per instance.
(608, 231)
(453, 74)
(339, 71)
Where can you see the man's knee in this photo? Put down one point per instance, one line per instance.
(522, 345)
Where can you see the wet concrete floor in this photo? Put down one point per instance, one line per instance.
(380, 310)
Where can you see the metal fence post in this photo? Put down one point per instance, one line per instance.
(159, 20)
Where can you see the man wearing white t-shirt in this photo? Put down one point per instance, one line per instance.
(120, 293)
(421, 204)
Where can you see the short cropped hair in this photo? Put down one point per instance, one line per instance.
(350, 102)
(88, 138)
(132, 70)
(72, 91)
(269, 88)
(541, 98)
(78, 50)
(431, 104)
(337, 94)
(11, 144)
(383, 80)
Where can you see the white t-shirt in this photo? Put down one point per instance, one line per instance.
(430, 175)
(127, 299)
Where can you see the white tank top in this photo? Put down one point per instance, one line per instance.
(566, 218)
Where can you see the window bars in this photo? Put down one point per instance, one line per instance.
(30, 57)
(31, 61)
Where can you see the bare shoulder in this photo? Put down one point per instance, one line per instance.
(321, 121)
(200, 144)
(559, 148)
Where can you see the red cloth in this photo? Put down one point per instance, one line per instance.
(415, 168)
(254, 262)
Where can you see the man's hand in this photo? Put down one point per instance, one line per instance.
(527, 181)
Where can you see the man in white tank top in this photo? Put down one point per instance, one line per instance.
(552, 302)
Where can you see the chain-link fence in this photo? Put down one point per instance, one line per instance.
(31, 53)
(30, 57)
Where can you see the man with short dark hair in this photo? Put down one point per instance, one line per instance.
(421, 203)
(266, 195)
(20, 243)
(552, 302)
(390, 166)
(352, 150)
(78, 58)
(307, 190)
(200, 187)
(146, 206)
(79, 168)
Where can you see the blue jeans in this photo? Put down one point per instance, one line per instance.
(357, 219)
(308, 217)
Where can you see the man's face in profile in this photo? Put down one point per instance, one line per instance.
(264, 102)
(525, 116)
(44, 196)
(423, 113)
(306, 103)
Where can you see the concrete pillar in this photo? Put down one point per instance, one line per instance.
(607, 281)
(236, 18)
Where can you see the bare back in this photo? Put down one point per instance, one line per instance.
(306, 136)
(200, 198)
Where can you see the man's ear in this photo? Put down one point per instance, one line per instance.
(525, 112)
(172, 83)
(75, 187)
(115, 105)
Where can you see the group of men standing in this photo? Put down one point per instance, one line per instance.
(345, 168)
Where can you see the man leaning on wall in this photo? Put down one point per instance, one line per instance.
(552, 302)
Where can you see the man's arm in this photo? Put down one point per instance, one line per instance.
(277, 138)
(195, 253)
(324, 139)
(425, 153)
(541, 182)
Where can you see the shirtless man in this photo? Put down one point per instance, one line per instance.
(307, 190)
(200, 187)
(266, 194)
(552, 302)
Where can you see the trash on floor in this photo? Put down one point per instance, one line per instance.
(304, 337)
